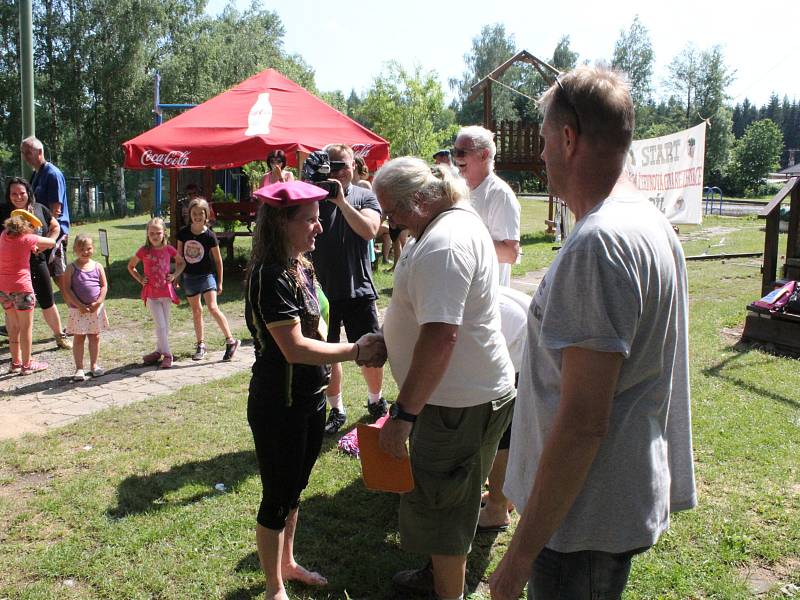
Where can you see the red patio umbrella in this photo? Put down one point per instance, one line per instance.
(263, 113)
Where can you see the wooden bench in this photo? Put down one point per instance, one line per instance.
(782, 330)
(243, 212)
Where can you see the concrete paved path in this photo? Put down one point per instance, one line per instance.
(56, 403)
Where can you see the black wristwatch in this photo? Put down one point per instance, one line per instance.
(397, 412)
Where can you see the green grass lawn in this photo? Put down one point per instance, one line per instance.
(122, 504)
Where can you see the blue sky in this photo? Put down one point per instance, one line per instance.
(348, 42)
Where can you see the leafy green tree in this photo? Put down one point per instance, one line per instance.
(633, 54)
(754, 156)
(5, 159)
(772, 110)
(491, 48)
(336, 100)
(353, 104)
(10, 102)
(564, 58)
(684, 74)
(212, 55)
(743, 114)
(94, 67)
(407, 108)
(701, 78)
(713, 81)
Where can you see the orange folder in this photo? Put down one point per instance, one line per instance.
(382, 471)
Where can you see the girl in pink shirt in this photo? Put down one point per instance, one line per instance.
(158, 291)
(16, 290)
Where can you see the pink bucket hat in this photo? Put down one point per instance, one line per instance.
(289, 193)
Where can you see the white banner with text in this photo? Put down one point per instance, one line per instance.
(669, 169)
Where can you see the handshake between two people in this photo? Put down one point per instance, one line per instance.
(371, 350)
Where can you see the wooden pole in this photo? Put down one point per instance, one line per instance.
(173, 206)
(770, 266)
(487, 106)
(551, 224)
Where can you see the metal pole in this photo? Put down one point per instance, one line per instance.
(157, 173)
(26, 71)
(157, 182)
(158, 109)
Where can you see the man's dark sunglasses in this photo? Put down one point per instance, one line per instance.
(570, 104)
(338, 165)
(461, 152)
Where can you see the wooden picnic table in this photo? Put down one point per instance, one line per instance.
(243, 212)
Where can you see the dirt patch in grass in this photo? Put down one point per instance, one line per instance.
(23, 485)
(732, 335)
(706, 233)
(761, 579)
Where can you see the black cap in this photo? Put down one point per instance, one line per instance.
(444, 151)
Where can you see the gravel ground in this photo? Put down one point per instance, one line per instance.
(62, 366)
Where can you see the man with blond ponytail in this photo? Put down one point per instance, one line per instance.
(451, 364)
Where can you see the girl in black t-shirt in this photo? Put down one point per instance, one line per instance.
(286, 405)
(199, 248)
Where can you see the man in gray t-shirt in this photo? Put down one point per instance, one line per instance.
(601, 447)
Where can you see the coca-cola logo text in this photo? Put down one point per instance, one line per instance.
(173, 158)
(362, 150)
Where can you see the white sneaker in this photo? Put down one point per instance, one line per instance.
(97, 372)
(79, 375)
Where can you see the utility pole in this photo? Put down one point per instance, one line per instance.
(26, 71)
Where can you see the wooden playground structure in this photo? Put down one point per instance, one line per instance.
(780, 329)
(518, 144)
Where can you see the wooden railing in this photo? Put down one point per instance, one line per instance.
(771, 213)
(518, 146)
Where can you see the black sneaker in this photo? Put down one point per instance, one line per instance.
(415, 581)
(336, 419)
(377, 409)
(230, 350)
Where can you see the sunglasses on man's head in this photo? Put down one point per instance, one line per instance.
(338, 165)
(571, 105)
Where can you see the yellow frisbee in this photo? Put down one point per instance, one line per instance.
(28, 216)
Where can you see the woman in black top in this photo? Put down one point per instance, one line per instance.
(286, 405)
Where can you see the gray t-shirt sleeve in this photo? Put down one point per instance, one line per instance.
(591, 304)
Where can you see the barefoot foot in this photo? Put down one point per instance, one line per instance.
(491, 517)
(295, 572)
(277, 595)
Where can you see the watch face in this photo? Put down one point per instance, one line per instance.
(393, 410)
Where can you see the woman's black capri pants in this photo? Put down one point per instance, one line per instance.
(288, 441)
(42, 286)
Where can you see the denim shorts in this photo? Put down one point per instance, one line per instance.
(199, 284)
(589, 575)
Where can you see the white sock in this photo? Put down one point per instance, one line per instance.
(374, 398)
(336, 402)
